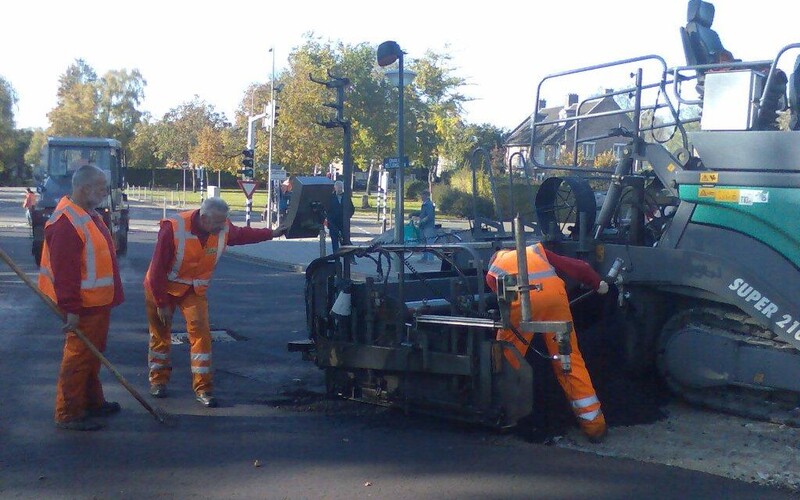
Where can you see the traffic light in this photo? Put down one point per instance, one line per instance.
(275, 109)
(247, 163)
(247, 158)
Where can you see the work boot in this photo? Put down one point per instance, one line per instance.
(158, 390)
(598, 438)
(80, 424)
(106, 409)
(207, 399)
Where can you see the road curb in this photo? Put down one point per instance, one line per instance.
(275, 264)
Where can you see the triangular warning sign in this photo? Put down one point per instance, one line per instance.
(249, 187)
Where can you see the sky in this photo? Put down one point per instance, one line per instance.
(502, 48)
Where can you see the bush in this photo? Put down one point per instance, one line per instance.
(413, 190)
(524, 199)
(458, 203)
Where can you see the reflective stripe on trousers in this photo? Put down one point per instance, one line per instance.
(195, 311)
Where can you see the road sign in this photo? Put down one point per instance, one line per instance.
(249, 187)
(278, 175)
(391, 163)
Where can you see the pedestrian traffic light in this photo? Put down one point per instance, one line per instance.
(247, 158)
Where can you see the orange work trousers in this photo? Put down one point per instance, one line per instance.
(553, 305)
(194, 308)
(78, 388)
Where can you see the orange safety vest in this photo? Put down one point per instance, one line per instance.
(194, 264)
(30, 200)
(540, 272)
(97, 267)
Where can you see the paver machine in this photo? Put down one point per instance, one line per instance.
(60, 157)
(704, 225)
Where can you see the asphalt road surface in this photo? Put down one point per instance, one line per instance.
(273, 436)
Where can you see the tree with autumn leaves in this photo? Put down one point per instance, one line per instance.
(194, 132)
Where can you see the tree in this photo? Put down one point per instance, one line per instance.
(8, 99)
(33, 152)
(143, 148)
(432, 107)
(177, 134)
(209, 148)
(298, 141)
(106, 107)
(436, 105)
(120, 94)
(76, 109)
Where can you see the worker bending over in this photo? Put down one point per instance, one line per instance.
(549, 302)
(188, 248)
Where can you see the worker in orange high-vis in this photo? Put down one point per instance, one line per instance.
(79, 272)
(549, 302)
(28, 203)
(188, 248)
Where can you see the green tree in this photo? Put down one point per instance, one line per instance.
(433, 107)
(77, 105)
(209, 148)
(177, 134)
(34, 151)
(436, 107)
(299, 143)
(105, 107)
(120, 95)
(8, 99)
(143, 148)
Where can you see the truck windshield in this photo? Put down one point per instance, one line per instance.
(65, 160)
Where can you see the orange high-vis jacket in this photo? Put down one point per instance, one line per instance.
(194, 264)
(97, 267)
(29, 201)
(540, 272)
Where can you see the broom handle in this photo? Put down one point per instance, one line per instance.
(52, 305)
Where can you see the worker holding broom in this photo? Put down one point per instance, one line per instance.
(79, 272)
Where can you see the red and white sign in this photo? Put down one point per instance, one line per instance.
(249, 187)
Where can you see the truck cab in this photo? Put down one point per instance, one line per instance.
(60, 158)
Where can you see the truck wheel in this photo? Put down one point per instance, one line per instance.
(122, 242)
(36, 250)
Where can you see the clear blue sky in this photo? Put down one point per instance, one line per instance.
(216, 49)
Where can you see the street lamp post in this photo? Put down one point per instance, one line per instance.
(388, 53)
(269, 156)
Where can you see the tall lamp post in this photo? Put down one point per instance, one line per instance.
(269, 155)
(388, 53)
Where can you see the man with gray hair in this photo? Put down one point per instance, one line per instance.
(188, 248)
(79, 272)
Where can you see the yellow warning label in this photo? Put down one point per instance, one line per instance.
(600, 253)
(709, 177)
(671, 167)
(728, 195)
(706, 192)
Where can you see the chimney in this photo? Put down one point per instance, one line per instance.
(609, 91)
(542, 103)
(571, 99)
